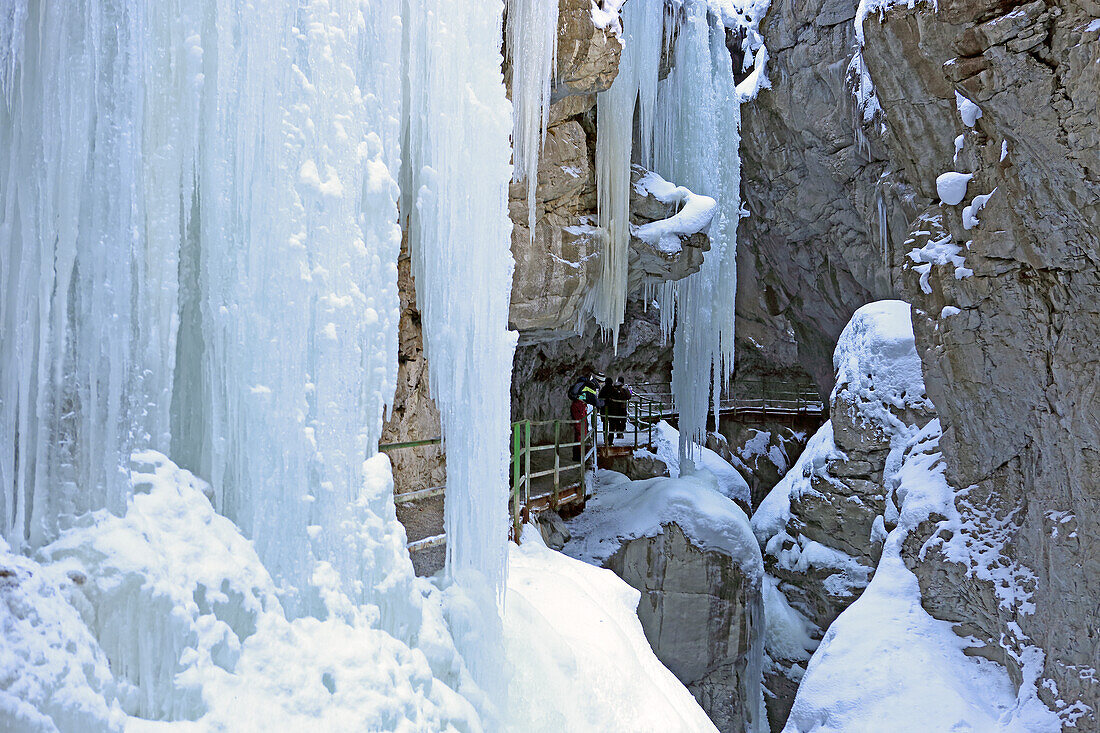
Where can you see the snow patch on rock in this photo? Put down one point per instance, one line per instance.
(622, 510)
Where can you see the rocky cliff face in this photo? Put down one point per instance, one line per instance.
(828, 209)
(1007, 297)
(704, 619)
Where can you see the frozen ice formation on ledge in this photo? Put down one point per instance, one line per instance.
(693, 215)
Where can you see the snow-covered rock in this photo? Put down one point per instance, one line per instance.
(53, 675)
(577, 653)
(690, 550)
(887, 658)
(823, 525)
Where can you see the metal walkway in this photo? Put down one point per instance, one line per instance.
(547, 474)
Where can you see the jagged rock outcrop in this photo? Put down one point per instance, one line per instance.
(559, 264)
(761, 452)
(1007, 315)
(702, 616)
(691, 554)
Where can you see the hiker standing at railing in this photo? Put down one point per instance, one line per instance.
(582, 393)
(618, 398)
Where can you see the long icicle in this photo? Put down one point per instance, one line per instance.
(532, 35)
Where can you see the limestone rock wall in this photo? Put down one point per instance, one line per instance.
(818, 184)
(704, 620)
(1007, 335)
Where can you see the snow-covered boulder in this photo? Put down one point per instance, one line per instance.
(690, 551)
(53, 675)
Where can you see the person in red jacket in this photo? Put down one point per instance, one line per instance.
(584, 392)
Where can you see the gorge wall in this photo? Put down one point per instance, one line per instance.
(1005, 335)
(840, 158)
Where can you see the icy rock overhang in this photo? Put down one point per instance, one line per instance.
(669, 227)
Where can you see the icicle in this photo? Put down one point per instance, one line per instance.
(883, 232)
(456, 192)
(636, 83)
(533, 43)
(69, 251)
(697, 146)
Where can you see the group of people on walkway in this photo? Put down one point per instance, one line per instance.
(611, 399)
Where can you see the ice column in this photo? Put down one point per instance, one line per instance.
(88, 250)
(198, 245)
(533, 43)
(697, 145)
(635, 87)
(297, 276)
(455, 191)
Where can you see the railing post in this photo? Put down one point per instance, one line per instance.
(636, 418)
(515, 483)
(527, 459)
(557, 464)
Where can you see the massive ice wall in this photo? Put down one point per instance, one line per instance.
(198, 244)
(455, 193)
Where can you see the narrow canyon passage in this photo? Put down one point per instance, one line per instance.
(549, 365)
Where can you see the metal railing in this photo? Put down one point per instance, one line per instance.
(753, 396)
(522, 476)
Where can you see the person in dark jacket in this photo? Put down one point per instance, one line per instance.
(607, 392)
(618, 398)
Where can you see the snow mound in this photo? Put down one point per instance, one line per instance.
(622, 510)
(876, 362)
(173, 600)
(53, 676)
(951, 187)
(730, 482)
(578, 656)
(774, 512)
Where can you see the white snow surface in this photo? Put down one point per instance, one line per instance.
(578, 656)
(876, 361)
(942, 251)
(694, 213)
(730, 481)
(951, 187)
(788, 634)
(968, 111)
(970, 212)
(173, 600)
(622, 510)
(885, 658)
(53, 676)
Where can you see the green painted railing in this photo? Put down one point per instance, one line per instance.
(642, 416)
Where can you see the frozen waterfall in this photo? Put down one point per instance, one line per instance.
(686, 127)
(532, 35)
(634, 89)
(199, 237)
(697, 144)
(457, 171)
